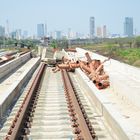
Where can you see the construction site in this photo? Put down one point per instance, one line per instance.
(68, 94)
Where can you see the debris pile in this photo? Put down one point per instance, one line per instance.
(70, 50)
(5, 59)
(93, 68)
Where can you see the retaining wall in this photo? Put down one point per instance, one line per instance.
(11, 65)
(13, 91)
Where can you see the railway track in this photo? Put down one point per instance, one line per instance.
(55, 108)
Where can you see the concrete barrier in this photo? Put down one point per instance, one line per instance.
(124, 79)
(11, 65)
(104, 108)
(9, 95)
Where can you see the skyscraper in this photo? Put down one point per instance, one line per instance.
(7, 28)
(99, 32)
(41, 30)
(58, 35)
(18, 34)
(25, 34)
(92, 27)
(2, 31)
(45, 29)
(104, 31)
(128, 26)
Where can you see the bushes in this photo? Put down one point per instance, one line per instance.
(129, 55)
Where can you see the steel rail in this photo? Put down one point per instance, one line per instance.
(17, 122)
(80, 121)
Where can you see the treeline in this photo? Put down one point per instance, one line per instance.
(61, 44)
(123, 49)
(124, 42)
(9, 42)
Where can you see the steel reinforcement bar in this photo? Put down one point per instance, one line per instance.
(24, 111)
(83, 129)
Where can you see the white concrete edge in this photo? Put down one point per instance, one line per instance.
(11, 92)
(104, 108)
(15, 59)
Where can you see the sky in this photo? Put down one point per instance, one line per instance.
(64, 14)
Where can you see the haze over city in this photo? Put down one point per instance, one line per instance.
(61, 15)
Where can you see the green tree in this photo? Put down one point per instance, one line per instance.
(53, 44)
(137, 42)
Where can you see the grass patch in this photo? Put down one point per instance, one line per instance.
(130, 54)
(125, 54)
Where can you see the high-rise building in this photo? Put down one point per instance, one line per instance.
(58, 35)
(41, 30)
(13, 34)
(99, 32)
(25, 34)
(69, 33)
(92, 27)
(128, 26)
(7, 28)
(104, 31)
(2, 31)
(18, 34)
(45, 29)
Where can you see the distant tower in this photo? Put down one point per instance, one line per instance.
(99, 32)
(25, 34)
(92, 27)
(58, 35)
(2, 31)
(45, 30)
(7, 28)
(104, 31)
(18, 34)
(135, 32)
(69, 33)
(128, 26)
(40, 30)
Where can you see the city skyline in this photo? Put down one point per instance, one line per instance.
(99, 31)
(72, 14)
